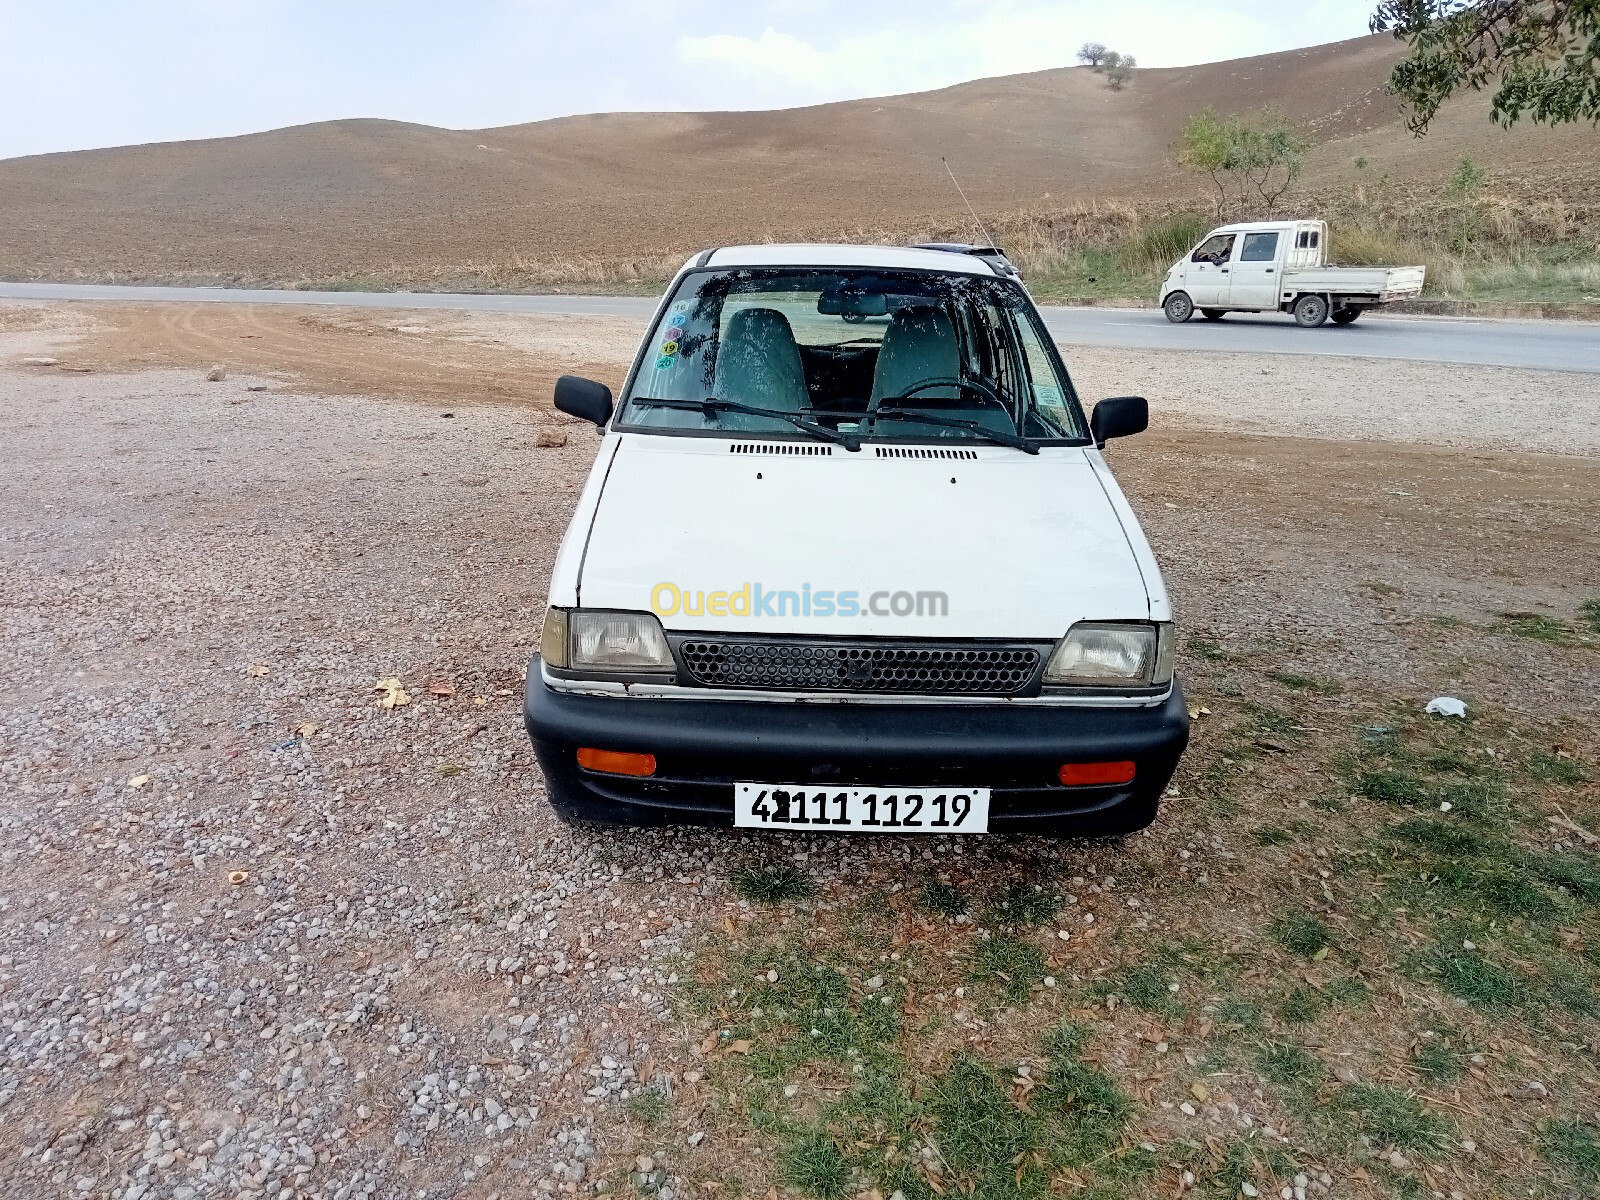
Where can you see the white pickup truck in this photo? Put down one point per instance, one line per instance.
(1278, 266)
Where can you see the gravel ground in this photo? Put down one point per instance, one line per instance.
(1367, 399)
(240, 955)
(245, 956)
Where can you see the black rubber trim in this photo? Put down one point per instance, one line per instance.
(705, 257)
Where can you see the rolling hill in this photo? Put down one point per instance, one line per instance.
(401, 203)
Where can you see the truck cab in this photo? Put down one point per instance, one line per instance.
(1278, 266)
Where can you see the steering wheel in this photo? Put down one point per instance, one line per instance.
(982, 390)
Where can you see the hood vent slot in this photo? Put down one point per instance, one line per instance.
(921, 452)
(803, 448)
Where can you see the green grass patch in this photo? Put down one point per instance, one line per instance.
(1403, 789)
(1470, 976)
(1023, 906)
(1302, 1005)
(993, 1135)
(1236, 1014)
(942, 898)
(1547, 767)
(1301, 934)
(1436, 1062)
(815, 1165)
(1457, 867)
(770, 883)
(1538, 627)
(1289, 1066)
(1443, 837)
(1009, 964)
(1265, 719)
(1485, 800)
(1391, 1117)
(1572, 1146)
(1271, 835)
(1348, 992)
(1589, 611)
(648, 1106)
(1147, 987)
(1208, 650)
(810, 1011)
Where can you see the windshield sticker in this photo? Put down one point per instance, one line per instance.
(670, 346)
(666, 362)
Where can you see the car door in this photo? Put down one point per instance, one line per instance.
(1254, 280)
(1206, 279)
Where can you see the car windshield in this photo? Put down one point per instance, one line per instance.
(855, 352)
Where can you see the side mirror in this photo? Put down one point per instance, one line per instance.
(585, 398)
(1118, 416)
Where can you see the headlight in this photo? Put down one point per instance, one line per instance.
(1105, 654)
(584, 640)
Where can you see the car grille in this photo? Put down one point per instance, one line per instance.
(819, 665)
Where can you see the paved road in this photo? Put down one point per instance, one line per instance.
(1552, 345)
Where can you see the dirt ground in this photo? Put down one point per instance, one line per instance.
(260, 935)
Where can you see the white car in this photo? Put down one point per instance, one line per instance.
(850, 558)
(1279, 266)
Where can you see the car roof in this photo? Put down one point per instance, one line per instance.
(826, 254)
(1261, 226)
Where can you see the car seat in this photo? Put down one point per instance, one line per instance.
(758, 363)
(920, 344)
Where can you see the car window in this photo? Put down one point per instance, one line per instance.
(1215, 249)
(1259, 247)
(833, 346)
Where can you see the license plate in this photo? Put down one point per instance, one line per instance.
(868, 810)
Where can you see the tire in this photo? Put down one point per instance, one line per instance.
(1178, 307)
(1345, 314)
(1310, 311)
(1213, 314)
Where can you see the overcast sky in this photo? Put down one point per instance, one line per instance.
(81, 73)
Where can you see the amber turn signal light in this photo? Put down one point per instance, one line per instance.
(616, 762)
(1095, 774)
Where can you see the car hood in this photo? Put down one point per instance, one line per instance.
(1020, 546)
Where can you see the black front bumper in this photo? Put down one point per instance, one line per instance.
(702, 747)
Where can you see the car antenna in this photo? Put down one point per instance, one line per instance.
(987, 240)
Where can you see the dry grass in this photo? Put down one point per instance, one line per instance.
(1308, 970)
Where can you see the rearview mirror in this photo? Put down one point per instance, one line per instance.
(1118, 416)
(585, 398)
(852, 302)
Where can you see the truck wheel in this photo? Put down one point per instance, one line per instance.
(1212, 314)
(1344, 314)
(1310, 311)
(1178, 307)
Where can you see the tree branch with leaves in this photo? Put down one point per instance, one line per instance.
(1251, 161)
(1541, 56)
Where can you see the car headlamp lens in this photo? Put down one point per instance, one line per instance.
(616, 641)
(1102, 654)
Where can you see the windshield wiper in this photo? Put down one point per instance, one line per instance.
(1015, 440)
(711, 406)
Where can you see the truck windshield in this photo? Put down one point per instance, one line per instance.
(857, 352)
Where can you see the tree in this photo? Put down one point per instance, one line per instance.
(1545, 55)
(1249, 160)
(1119, 72)
(1090, 54)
